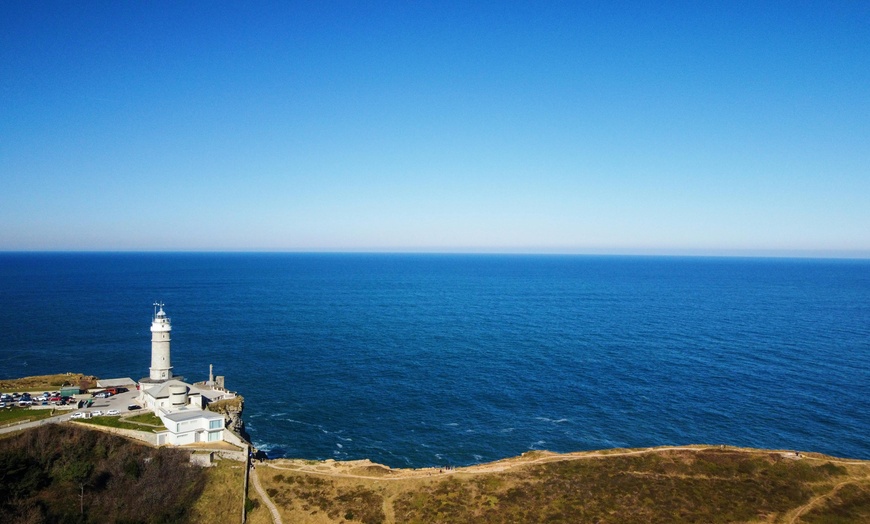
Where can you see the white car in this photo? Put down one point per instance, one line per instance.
(78, 414)
(113, 412)
(96, 413)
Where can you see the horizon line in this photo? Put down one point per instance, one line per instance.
(662, 253)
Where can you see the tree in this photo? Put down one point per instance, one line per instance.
(77, 471)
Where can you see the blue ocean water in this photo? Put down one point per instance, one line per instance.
(419, 360)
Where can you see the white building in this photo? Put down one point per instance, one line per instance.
(178, 404)
(170, 395)
(189, 426)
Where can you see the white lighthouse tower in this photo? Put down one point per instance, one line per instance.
(161, 326)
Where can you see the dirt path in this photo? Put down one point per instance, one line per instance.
(814, 502)
(493, 467)
(276, 517)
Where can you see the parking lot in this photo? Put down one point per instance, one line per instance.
(119, 402)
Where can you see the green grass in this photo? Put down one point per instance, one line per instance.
(9, 415)
(146, 418)
(115, 422)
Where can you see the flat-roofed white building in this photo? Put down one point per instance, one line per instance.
(116, 382)
(190, 426)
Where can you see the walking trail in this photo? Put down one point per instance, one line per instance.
(276, 517)
(346, 469)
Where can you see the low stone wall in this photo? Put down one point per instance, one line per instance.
(239, 456)
(144, 436)
(233, 438)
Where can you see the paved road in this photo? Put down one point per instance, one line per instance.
(63, 417)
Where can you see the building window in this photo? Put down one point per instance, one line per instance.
(215, 436)
(214, 424)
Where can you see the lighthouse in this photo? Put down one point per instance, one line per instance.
(161, 326)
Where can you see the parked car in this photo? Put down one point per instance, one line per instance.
(133, 407)
(103, 394)
(2, 404)
(78, 414)
(96, 413)
(113, 412)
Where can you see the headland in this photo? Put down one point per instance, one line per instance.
(694, 483)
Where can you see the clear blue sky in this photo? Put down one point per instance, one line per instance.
(607, 127)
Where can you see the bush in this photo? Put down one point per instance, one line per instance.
(64, 473)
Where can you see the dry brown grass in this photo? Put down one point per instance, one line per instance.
(259, 514)
(222, 406)
(221, 499)
(47, 382)
(693, 484)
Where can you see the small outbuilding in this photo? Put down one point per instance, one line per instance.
(70, 391)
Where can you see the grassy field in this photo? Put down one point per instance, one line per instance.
(145, 418)
(115, 422)
(41, 383)
(14, 414)
(221, 500)
(258, 513)
(697, 484)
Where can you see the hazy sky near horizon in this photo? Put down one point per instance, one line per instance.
(605, 127)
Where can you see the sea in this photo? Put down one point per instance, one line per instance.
(415, 360)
